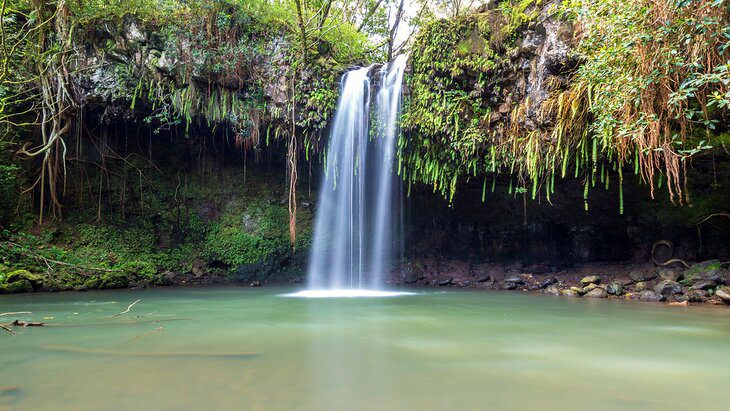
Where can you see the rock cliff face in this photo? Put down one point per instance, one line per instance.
(120, 61)
(539, 61)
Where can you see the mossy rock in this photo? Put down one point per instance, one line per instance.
(18, 286)
(706, 270)
(24, 275)
(139, 269)
(110, 280)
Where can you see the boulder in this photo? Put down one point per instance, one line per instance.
(19, 275)
(669, 274)
(651, 296)
(615, 289)
(18, 286)
(552, 290)
(705, 271)
(639, 276)
(484, 278)
(570, 293)
(641, 286)
(446, 281)
(591, 279)
(515, 279)
(724, 294)
(667, 288)
(509, 286)
(164, 278)
(597, 293)
(704, 285)
(548, 282)
(697, 296)
(590, 287)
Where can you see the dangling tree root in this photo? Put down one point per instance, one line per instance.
(671, 260)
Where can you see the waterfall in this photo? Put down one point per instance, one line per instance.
(354, 233)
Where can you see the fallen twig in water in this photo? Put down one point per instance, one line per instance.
(16, 313)
(201, 354)
(157, 330)
(127, 310)
(6, 328)
(118, 323)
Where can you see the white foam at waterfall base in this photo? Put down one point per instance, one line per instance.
(346, 293)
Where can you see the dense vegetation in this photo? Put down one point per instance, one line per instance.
(132, 124)
(646, 87)
(96, 97)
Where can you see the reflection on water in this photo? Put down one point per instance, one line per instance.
(252, 349)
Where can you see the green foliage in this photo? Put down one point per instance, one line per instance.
(247, 234)
(652, 91)
(658, 79)
(445, 116)
(9, 193)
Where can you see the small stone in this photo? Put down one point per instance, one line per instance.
(255, 283)
(570, 293)
(484, 278)
(615, 289)
(697, 296)
(550, 281)
(683, 303)
(704, 285)
(641, 286)
(446, 281)
(589, 287)
(724, 294)
(577, 290)
(669, 274)
(515, 280)
(509, 286)
(597, 293)
(198, 272)
(552, 290)
(591, 279)
(639, 276)
(667, 288)
(651, 296)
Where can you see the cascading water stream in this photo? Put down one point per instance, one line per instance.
(353, 241)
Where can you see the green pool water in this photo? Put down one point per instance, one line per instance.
(240, 348)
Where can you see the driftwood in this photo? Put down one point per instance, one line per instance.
(5, 326)
(19, 323)
(161, 354)
(127, 310)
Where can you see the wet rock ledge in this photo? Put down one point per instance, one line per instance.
(703, 282)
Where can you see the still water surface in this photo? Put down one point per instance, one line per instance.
(187, 349)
